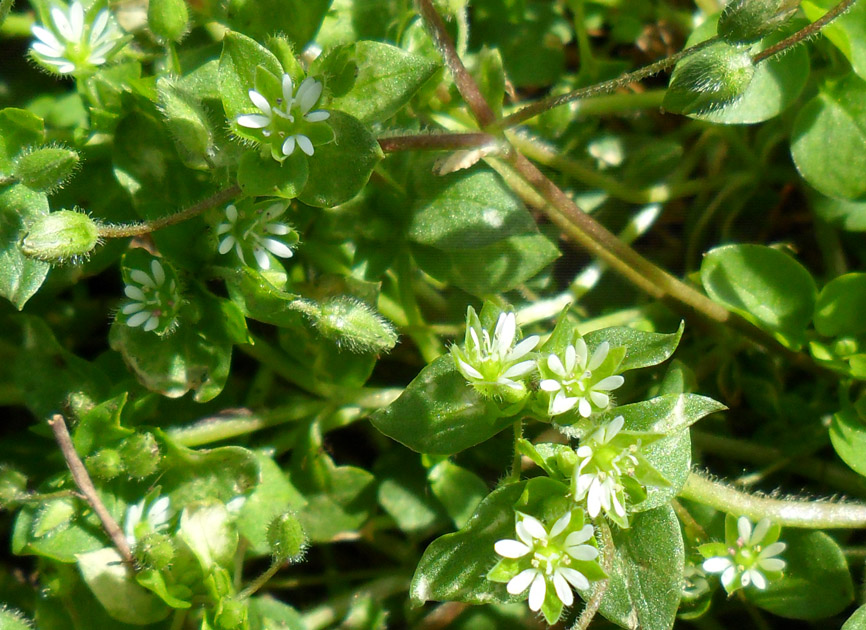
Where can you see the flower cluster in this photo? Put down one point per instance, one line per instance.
(256, 231)
(748, 555)
(74, 42)
(494, 364)
(548, 563)
(287, 120)
(575, 380)
(154, 299)
(146, 517)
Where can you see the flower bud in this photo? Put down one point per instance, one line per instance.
(154, 551)
(231, 614)
(709, 79)
(45, 169)
(105, 464)
(747, 21)
(12, 619)
(286, 538)
(59, 236)
(13, 484)
(352, 323)
(168, 19)
(140, 454)
(846, 346)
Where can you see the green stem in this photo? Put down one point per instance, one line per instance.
(146, 227)
(804, 33)
(516, 463)
(531, 111)
(428, 344)
(16, 25)
(785, 512)
(260, 581)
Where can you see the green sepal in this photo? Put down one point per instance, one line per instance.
(709, 79)
(45, 169)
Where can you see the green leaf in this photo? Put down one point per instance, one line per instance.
(764, 285)
(218, 474)
(459, 490)
(339, 170)
(439, 413)
(847, 32)
(849, 215)
(857, 621)
(266, 613)
(264, 176)
(100, 426)
(816, 582)
(342, 507)
(840, 306)
(297, 19)
(18, 129)
(188, 123)
(195, 357)
(643, 349)
(258, 298)
(241, 56)
(403, 493)
(273, 496)
(646, 580)
(828, 137)
(848, 436)
(776, 84)
(79, 534)
(20, 275)
(372, 81)
(454, 567)
(115, 588)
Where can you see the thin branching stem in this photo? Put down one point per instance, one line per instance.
(84, 483)
(804, 33)
(811, 514)
(146, 227)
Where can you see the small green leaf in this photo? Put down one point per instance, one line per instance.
(848, 436)
(403, 492)
(454, 567)
(378, 79)
(342, 507)
(20, 275)
(764, 285)
(267, 612)
(816, 582)
(188, 123)
(828, 138)
(439, 413)
(241, 56)
(643, 349)
(646, 580)
(115, 588)
(297, 19)
(459, 490)
(340, 169)
(840, 306)
(264, 176)
(847, 32)
(18, 129)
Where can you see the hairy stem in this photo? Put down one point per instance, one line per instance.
(785, 512)
(804, 33)
(434, 142)
(260, 581)
(606, 87)
(84, 483)
(146, 227)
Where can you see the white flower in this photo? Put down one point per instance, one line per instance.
(549, 561)
(70, 44)
(601, 485)
(572, 383)
(278, 121)
(746, 559)
(496, 360)
(257, 233)
(154, 300)
(139, 523)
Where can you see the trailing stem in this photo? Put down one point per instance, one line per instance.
(805, 33)
(785, 512)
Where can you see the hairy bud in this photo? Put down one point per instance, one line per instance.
(105, 464)
(60, 236)
(168, 19)
(45, 169)
(355, 325)
(154, 551)
(747, 21)
(709, 79)
(286, 538)
(140, 454)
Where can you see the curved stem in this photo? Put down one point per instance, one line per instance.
(531, 111)
(146, 227)
(516, 468)
(434, 142)
(804, 33)
(260, 581)
(785, 512)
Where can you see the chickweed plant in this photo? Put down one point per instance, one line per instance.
(431, 314)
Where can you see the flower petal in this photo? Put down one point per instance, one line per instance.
(158, 272)
(772, 564)
(580, 536)
(226, 244)
(138, 319)
(562, 403)
(609, 383)
(46, 50)
(759, 532)
(132, 307)
(758, 579)
(134, 293)
(151, 323)
(61, 22)
(744, 529)
(288, 89)
(728, 577)
(48, 38)
(534, 527)
(308, 94)
(555, 365)
(537, 592)
(563, 590)
(593, 500)
(261, 102)
(142, 278)
(469, 371)
(581, 352)
(304, 143)
(575, 578)
(519, 369)
(550, 385)
(560, 525)
(584, 408)
(288, 146)
(598, 356)
(599, 399)
(262, 258)
(523, 348)
(717, 564)
(508, 548)
(317, 116)
(521, 581)
(772, 549)
(253, 121)
(582, 552)
(277, 248)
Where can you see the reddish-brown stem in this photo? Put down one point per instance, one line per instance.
(82, 480)
(435, 142)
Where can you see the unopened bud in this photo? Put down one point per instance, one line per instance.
(105, 464)
(747, 21)
(232, 614)
(61, 235)
(140, 454)
(709, 79)
(286, 538)
(168, 19)
(355, 325)
(45, 169)
(12, 619)
(154, 551)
